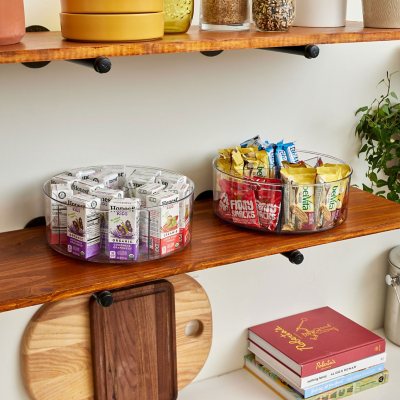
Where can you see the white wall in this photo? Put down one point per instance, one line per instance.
(175, 111)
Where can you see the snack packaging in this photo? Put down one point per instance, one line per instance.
(86, 187)
(120, 170)
(123, 229)
(80, 173)
(291, 152)
(280, 155)
(253, 142)
(108, 179)
(83, 225)
(63, 179)
(243, 207)
(59, 195)
(169, 180)
(269, 200)
(105, 196)
(164, 222)
(136, 180)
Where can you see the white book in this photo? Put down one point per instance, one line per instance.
(299, 382)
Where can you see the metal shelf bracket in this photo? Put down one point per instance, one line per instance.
(102, 65)
(213, 53)
(309, 51)
(294, 256)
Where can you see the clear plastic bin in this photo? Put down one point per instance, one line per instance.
(280, 207)
(117, 229)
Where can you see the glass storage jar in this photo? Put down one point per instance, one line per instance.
(178, 15)
(224, 15)
(273, 15)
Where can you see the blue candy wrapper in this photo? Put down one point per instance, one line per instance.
(291, 153)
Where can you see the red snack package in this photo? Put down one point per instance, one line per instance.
(224, 207)
(269, 207)
(244, 208)
(269, 199)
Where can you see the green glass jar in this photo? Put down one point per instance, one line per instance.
(178, 15)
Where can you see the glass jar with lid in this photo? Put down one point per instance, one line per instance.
(178, 15)
(224, 15)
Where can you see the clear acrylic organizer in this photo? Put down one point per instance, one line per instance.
(278, 207)
(117, 229)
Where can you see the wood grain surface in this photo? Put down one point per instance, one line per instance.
(32, 273)
(133, 344)
(46, 46)
(56, 361)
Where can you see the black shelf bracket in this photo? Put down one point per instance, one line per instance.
(294, 256)
(104, 298)
(309, 51)
(213, 53)
(102, 65)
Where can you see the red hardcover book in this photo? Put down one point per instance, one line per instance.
(316, 340)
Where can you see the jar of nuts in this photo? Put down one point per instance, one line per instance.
(273, 15)
(224, 15)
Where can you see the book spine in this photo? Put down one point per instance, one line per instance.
(343, 370)
(284, 390)
(346, 357)
(344, 380)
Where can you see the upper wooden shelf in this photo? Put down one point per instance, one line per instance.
(32, 273)
(47, 46)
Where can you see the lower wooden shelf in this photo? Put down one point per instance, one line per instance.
(241, 385)
(31, 273)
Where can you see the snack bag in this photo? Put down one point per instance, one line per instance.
(244, 208)
(269, 199)
(224, 202)
(280, 155)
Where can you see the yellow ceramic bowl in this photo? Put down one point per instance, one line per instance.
(111, 6)
(112, 27)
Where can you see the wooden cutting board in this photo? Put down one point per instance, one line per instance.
(133, 344)
(56, 358)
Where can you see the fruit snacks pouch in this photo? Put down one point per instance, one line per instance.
(224, 207)
(327, 194)
(244, 208)
(269, 200)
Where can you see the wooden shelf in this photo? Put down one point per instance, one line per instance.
(32, 273)
(47, 46)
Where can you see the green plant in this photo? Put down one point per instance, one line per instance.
(379, 131)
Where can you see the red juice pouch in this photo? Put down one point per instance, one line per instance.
(244, 208)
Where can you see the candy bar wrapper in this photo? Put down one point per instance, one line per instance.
(256, 141)
(280, 155)
(327, 195)
(291, 152)
(270, 150)
(345, 172)
(299, 199)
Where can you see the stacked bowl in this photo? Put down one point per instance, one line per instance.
(112, 21)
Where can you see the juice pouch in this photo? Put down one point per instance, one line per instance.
(244, 208)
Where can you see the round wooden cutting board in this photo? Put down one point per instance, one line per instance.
(56, 355)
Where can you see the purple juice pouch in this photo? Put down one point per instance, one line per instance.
(83, 225)
(123, 229)
(291, 152)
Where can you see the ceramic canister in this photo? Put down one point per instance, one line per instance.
(320, 13)
(12, 21)
(392, 310)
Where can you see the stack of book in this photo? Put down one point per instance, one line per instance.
(317, 355)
